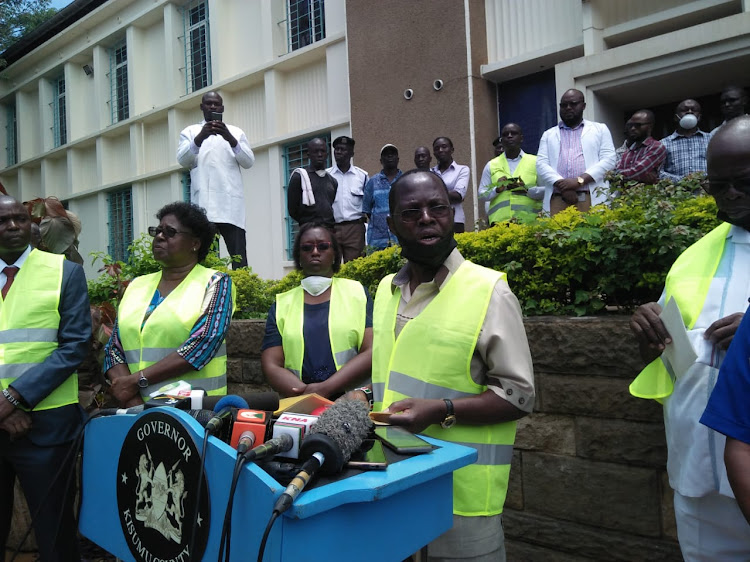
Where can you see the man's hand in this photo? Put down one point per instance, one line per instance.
(501, 180)
(6, 408)
(649, 331)
(721, 332)
(220, 128)
(124, 389)
(416, 414)
(206, 131)
(17, 424)
(319, 388)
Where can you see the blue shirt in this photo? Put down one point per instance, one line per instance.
(685, 155)
(375, 204)
(727, 410)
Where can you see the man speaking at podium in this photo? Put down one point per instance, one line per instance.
(45, 326)
(451, 360)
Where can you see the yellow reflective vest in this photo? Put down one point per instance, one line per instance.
(507, 204)
(687, 282)
(167, 328)
(347, 316)
(431, 359)
(29, 323)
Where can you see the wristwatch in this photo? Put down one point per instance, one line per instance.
(450, 416)
(581, 181)
(143, 381)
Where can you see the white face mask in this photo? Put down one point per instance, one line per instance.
(688, 121)
(316, 285)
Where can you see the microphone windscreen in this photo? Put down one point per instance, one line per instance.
(229, 401)
(345, 425)
(266, 401)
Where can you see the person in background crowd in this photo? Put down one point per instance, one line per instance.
(347, 207)
(641, 156)
(709, 284)
(733, 103)
(375, 203)
(451, 360)
(318, 335)
(686, 147)
(422, 158)
(171, 324)
(573, 157)
(312, 190)
(45, 336)
(497, 146)
(509, 181)
(455, 176)
(214, 152)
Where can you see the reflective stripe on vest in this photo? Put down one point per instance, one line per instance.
(504, 205)
(347, 316)
(687, 282)
(167, 328)
(438, 366)
(29, 324)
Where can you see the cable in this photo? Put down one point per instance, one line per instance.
(226, 530)
(198, 496)
(262, 548)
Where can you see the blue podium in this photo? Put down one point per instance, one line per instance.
(138, 496)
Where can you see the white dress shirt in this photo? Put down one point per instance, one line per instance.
(348, 203)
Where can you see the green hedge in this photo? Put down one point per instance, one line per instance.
(569, 264)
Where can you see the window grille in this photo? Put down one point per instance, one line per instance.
(295, 156)
(306, 22)
(186, 182)
(120, 206)
(197, 46)
(60, 119)
(118, 81)
(11, 135)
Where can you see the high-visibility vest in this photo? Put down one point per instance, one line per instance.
(507, 204)
(29, 324)
(431, 359)
(167, 328)
(687, 282)
(347, 315)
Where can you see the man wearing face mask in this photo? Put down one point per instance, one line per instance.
(451, 360)
(709, 283)
(686, 147)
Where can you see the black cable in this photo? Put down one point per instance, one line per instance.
(75, 447)
(198, 496)
(271, 521)
(226, 530)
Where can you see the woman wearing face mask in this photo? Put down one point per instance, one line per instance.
(319, 335)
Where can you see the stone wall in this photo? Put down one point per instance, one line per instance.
(588, 480)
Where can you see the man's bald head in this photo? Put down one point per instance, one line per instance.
(728, 158)
(732, 141)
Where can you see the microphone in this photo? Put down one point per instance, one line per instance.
(247, 440)
(225, 410)
(266, 401)
(272, 447)
(120, 411)
(340, 431)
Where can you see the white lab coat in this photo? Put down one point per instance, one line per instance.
(215, 176)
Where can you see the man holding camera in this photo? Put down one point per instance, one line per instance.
(213, 152)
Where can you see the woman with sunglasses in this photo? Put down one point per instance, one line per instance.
(171, 324)
(319, 335)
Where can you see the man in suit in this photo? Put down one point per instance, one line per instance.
(45, 326)
(573, 157)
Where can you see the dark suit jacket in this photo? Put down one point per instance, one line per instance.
(59, 425)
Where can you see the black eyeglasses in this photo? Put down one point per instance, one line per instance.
(321, 246)
(436, 212)
(167, 231)
(717, 187)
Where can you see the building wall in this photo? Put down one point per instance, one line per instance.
(275, 96)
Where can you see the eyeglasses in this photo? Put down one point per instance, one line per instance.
(167, 231)
(436, 212)
(320, 246)
(717, 187)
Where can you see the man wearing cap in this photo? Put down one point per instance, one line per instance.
(347, 207)
(375, 203)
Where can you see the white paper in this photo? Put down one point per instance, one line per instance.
(680, 352)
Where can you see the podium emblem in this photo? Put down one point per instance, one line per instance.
(157, 487)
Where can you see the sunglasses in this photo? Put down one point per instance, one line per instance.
(167, 231)
(721, 187)
(436, 212)
(321, 247)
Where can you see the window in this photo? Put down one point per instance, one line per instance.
(306, 22)
(186, 182)
(60, 118)
(197, 49)
(118, 82)
(11, 135)
(120, 206)
(295, 156)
